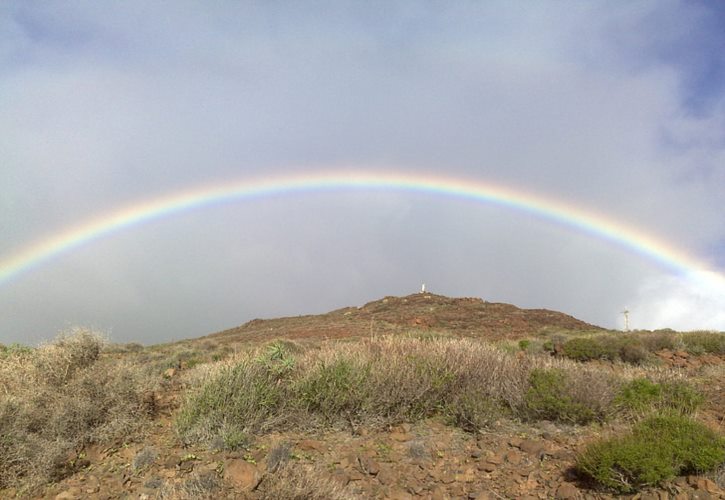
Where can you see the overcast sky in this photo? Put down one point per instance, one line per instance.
(614, 107)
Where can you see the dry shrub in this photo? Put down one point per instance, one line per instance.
(198, 486)
(59, 397)
(575, 396)
(376, 382)
(658, 340)
(301, 482)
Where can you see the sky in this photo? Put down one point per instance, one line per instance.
(613, 108)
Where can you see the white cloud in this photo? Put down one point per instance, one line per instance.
(680, 303)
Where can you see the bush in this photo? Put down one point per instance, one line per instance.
(681, 397)
(658, 449)
(583, 349)
(238, 398)
(658, 340)
(627, 348)
(641, 396)
(632, 351)
(554, 395)
(296, 482)
(704, 342)
(60, 397)
(334, 389)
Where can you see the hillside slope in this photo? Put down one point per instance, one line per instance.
(469, 317)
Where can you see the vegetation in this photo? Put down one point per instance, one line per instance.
(642, 396)
(59, 397)
(635, 348)
(555, 395)
(468, 382)
(609, 347)
(658, 448)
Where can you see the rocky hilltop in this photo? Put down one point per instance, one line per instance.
(469, 317)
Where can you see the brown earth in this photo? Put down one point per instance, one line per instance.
(426, 460)
(469, 317)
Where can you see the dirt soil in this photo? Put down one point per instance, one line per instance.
(470, 317)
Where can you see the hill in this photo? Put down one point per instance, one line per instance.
(465, 317)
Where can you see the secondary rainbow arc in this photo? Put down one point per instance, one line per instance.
(630, 238)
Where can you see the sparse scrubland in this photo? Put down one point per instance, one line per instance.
(385, 381)
(644, 418)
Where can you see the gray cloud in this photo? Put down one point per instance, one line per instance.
(105, 105)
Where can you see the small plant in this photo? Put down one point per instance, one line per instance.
(659, 448)
(473, 411)
(524, 344)
(681, 397)
(583, 349)
(277, 359)
(632, 351)
(549, 398)
(144, 459)
(334, 388)
(278, 456)
(548, 346)
(641, 396)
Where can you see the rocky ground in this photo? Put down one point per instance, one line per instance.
(468, 316)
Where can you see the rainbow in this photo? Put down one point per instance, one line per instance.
(576, 218)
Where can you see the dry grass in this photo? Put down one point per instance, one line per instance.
(373, 382)
(198, 486)
(59, 397)
(300, 482)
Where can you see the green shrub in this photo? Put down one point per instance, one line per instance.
(641, 396)
(704, 342)
(473, 410)
(658, 449)
(632, 351)
(681, 397)
(15, 349)
(627, 348)
(334, 389)
(583, 349)
(237, 399)
(524, 344)
(549, 398)
(658, 340)
(377, 381)
(548, 346)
